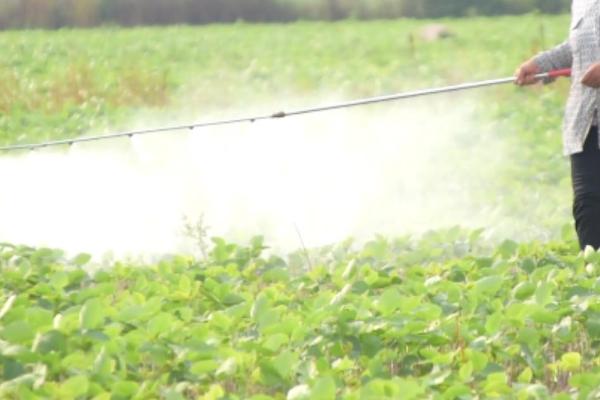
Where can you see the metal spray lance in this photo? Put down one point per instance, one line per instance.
(282, 114)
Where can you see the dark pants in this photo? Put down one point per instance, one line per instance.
(585, 173)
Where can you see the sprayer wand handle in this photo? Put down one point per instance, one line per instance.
(557, 73)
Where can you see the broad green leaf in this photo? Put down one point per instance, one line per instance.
(392, 389)
(324, 388)
(204, 367)
(92, 314)
(524, 290)
(570, 361)
(507, 249)
(489, 285)
(585, 380)
(285, 363)
(50, 341)
(543, 293)
(494, 323)
(39, 317)
(276, 275)
(274, 342)
(215, 392)
(82, 259)
(466, 372)
(172, 394)
(103, 364)
(18, 332)
(456, 391)
(74, 387)
(125, 389)
(162, 323)
(262, 312)
(543, 316)
(526, 376)
(389, 301)
(496, 384)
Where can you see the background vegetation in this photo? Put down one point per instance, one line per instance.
(60, 13)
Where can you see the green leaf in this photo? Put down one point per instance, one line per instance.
(389, 301)
(19, 332)
(466, 372)
(457, 391)
(81, 259)
(274, 342)
(478, 359)
(593, 327)
(39, 317)
(325, 387)
(125, 389)
(494, 323)
(524, 290)
(543, 316)
(489, 285)
(405, 389)
(496, 384)
(50, 341)
(103, 364)
(543, 294)
(204, 367)
(526, 376)
(74, 387)
(162, 323)
(59, 280)
(276, 275)
(92, 314)
(585, 380)
(262, 313)
(285, 363)
(570, 361)
(507, 249)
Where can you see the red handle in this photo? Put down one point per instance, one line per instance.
(557, 73)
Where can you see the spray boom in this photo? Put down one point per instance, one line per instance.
(282, 114)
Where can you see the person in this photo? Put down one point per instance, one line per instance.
(581, 53)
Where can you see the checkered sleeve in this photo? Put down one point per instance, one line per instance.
(557, 58)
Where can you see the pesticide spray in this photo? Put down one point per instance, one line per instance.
(348, 173)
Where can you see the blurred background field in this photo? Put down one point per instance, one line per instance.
(71, 82)
(66, 83)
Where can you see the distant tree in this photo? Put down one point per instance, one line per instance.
(58, 13)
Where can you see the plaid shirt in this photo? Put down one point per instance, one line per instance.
(581, 50)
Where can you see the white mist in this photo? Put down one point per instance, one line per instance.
(390, 169)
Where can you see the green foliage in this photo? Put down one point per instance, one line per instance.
(385, 327)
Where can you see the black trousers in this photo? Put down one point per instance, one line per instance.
(585, 173)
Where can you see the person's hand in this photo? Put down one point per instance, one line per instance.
(591, 77)
(525, 74)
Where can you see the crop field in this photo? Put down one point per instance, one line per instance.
(448, 314)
